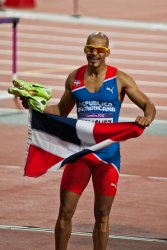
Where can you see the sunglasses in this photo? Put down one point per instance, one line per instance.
(92, 49)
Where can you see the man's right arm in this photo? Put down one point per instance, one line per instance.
(66, 103)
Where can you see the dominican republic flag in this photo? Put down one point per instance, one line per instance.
(55, 140)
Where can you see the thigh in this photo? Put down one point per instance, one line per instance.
(105, 179)
(76, 176)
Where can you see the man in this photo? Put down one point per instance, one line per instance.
(98, 91)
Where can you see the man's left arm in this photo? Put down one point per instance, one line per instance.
(130, 88)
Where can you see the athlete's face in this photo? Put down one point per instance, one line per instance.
(97, 53)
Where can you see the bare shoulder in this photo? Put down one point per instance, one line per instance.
(125, 80)
(70, 79)
(125, 84)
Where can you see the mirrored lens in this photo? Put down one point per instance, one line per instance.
(92, 49)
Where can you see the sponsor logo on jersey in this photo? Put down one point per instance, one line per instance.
(111, 90)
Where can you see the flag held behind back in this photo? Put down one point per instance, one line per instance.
(55, 140)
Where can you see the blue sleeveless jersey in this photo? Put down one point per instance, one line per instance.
(100, 106)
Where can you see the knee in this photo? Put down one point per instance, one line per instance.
(65, 216)
(102, 219)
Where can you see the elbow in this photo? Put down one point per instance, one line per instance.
(155, 111)
(150, 110)
(153, 108)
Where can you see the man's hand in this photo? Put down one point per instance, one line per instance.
(143, 121)
(24, 102)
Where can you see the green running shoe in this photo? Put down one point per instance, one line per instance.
(38, 103)
(18, 92)
(30, 89)
(36, 94)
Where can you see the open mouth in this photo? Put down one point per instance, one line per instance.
(93, 59)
